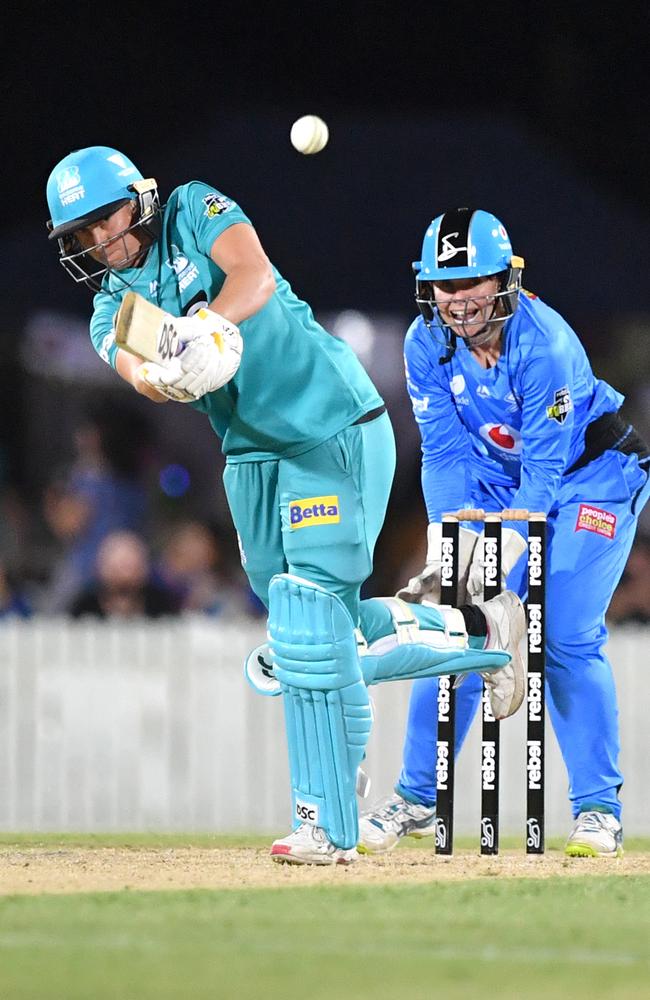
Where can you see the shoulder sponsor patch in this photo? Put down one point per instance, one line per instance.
(313, 511)
(561, 406)
(601, 522)
(216, 204)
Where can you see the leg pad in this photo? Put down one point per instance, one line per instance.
(327, 709)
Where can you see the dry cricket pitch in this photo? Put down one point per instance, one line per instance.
(34, 870)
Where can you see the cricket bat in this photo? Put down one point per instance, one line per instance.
(141, 328)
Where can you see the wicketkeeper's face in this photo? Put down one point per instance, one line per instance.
(467, 304)
(110, 240)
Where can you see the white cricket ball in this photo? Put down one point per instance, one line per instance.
(309, 134)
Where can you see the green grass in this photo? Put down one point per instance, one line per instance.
(584, 937)
(167, 840)
(136, 840)
(570, 938)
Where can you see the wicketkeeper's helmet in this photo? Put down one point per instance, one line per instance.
(467, 243)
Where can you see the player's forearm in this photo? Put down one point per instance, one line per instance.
(127, 366)
(244, 292)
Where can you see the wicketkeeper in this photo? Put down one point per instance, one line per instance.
(512, 416)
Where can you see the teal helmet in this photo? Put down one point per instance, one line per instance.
(468, 243)
(88, 185)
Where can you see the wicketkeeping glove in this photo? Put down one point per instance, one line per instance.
(513, 545)
(426, 585)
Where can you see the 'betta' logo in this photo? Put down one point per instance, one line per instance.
(314, 511)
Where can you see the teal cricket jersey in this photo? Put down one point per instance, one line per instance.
(297, 385)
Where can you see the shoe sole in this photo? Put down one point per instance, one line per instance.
(416, 834)
(586, 851)
(283, 858)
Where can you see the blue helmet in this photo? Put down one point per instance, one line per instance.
(87, 185)
(467, 243)
(90, 184)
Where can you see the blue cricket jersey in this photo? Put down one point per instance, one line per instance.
(518, 425)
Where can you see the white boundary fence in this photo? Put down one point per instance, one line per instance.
(152, 727)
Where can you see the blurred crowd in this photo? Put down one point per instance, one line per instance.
(96, 543)
(96, 539)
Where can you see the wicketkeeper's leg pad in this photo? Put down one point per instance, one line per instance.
(419, 641)
(327, 708)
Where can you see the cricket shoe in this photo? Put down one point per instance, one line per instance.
(595, 835)
(506, 622)
(381, 828)
(309, 845)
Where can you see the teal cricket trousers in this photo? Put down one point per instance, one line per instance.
(316, 515)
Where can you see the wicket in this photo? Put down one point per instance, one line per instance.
(535, 614)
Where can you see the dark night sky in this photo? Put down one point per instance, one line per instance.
(188, 93)
(575, 74)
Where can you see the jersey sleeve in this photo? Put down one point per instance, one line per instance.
(212, 213)
(547, 391)
(446, 475)
(102, 327)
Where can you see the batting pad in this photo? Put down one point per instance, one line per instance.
(326, 703)
(423, 642)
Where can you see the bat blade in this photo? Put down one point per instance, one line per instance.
(141, 328)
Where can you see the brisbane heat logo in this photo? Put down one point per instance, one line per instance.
(503, 437)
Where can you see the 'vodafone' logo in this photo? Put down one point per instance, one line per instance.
(502, 437)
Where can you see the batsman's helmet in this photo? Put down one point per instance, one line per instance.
(467, 243)
(88, 185)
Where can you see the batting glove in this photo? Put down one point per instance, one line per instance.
(211, 355)
(211, 349)
(159, 376)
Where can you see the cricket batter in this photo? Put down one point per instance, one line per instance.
(512, 416)
(309, 464)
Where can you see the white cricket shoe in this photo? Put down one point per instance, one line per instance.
(309, 845)
(506, 621)
(595, 835)
(381, 828)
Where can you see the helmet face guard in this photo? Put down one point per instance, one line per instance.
(90, 265)
(91, 184)
(460, 245)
